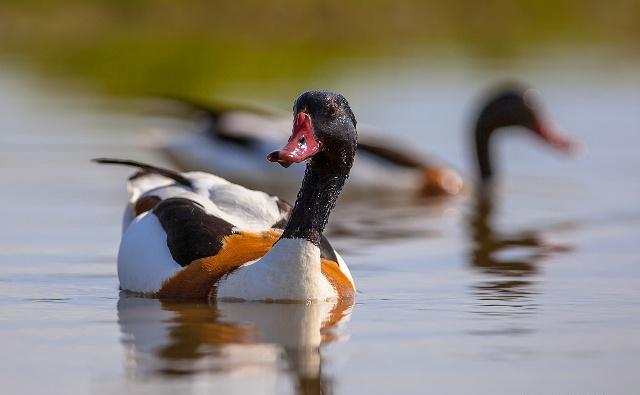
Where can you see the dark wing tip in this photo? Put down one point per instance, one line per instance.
(113, 161)
(177, 177)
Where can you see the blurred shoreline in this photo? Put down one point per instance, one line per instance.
(201, 48)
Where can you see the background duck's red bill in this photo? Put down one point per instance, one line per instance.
(556, 138)
(302, 144)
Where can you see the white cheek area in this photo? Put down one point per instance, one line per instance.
(291, 270)
(144, 259)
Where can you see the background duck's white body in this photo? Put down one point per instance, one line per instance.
(247, 165)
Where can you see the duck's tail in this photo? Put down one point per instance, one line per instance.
(174, 175)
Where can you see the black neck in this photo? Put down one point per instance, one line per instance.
(323, 181)
(482, 136)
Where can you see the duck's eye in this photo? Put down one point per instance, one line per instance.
(302, 140)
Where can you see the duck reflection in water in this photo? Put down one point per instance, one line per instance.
(256, 340)
(492, 253)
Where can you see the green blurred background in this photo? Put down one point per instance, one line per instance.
(139, 47)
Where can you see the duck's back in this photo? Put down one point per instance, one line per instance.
(244, 208)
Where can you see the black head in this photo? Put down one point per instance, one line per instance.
(324, 128)
(514, 105)
(517, 105)
(324, 131)
(510, 106)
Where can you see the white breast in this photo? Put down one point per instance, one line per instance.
(291, 270)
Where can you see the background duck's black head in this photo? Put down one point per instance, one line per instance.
(511, 106)
(517, 105)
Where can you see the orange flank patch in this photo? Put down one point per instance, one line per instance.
(341, 283)
(196, 280)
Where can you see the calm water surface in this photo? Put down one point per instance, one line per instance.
(535, 291)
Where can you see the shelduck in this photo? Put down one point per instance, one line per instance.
(513, 105)
(197, 235)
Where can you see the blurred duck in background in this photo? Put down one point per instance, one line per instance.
(230, 140)
(508, 259)
(508, 106)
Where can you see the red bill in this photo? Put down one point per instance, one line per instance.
(302, 144)
(555, 137)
